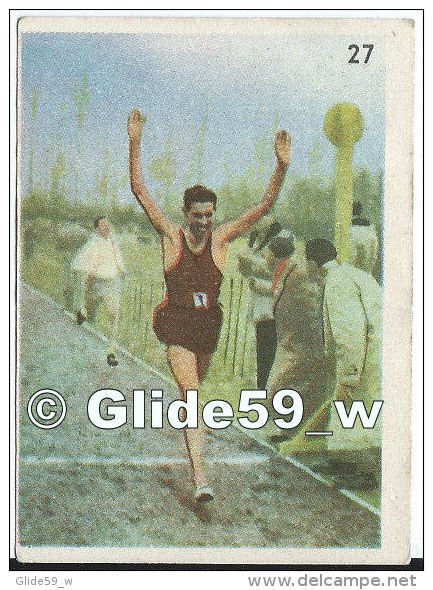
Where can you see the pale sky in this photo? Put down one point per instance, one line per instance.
(242, 81)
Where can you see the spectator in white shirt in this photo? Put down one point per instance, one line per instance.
(100, 269)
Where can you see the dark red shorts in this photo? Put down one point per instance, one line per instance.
(196, 330)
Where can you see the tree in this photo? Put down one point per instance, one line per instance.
(81, 98)
(57, 178)
(314, 158)
(162, 169)
(307, 207)
(195, 174)
(34, 112)
(108, 182)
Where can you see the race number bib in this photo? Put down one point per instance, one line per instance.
(200, 299)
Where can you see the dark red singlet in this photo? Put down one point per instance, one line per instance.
(190, 316)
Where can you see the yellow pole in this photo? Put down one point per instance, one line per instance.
(343, 201)
(343, 126)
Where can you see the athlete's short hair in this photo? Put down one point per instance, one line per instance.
(320, 251)
(97, 220)
(198, 194)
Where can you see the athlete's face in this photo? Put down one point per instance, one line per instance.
(199, 218)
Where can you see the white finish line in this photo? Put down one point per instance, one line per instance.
(246, 459)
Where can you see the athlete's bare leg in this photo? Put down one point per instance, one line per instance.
(80, 293)
(111, 297)
(185, 369)
(92, 304)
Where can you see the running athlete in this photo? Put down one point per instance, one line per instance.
(188, 321)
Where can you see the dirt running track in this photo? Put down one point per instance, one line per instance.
(79, 485)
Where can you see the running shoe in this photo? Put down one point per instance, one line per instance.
(203, 494)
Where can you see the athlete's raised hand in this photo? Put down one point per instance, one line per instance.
(283, 142)
(136, 123)
(157, 218)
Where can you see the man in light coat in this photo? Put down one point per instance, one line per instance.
(99, 268)
(364, 245)
(352, 334)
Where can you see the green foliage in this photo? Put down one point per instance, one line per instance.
(57, 173)
(39, 204)
(307, 207)
(54, 208)
(81, 96)
(235, 196)
(108, 182)
(162, 168)
(173, 203)
(35, 100)
(195, 174)
(314, 159)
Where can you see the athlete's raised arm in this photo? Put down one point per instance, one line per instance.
(232, 229)
(162, 225)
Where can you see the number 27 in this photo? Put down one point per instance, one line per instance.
(354, 47)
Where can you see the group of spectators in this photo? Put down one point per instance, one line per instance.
(318, 326)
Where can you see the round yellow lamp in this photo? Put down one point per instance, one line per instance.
(343, 126)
